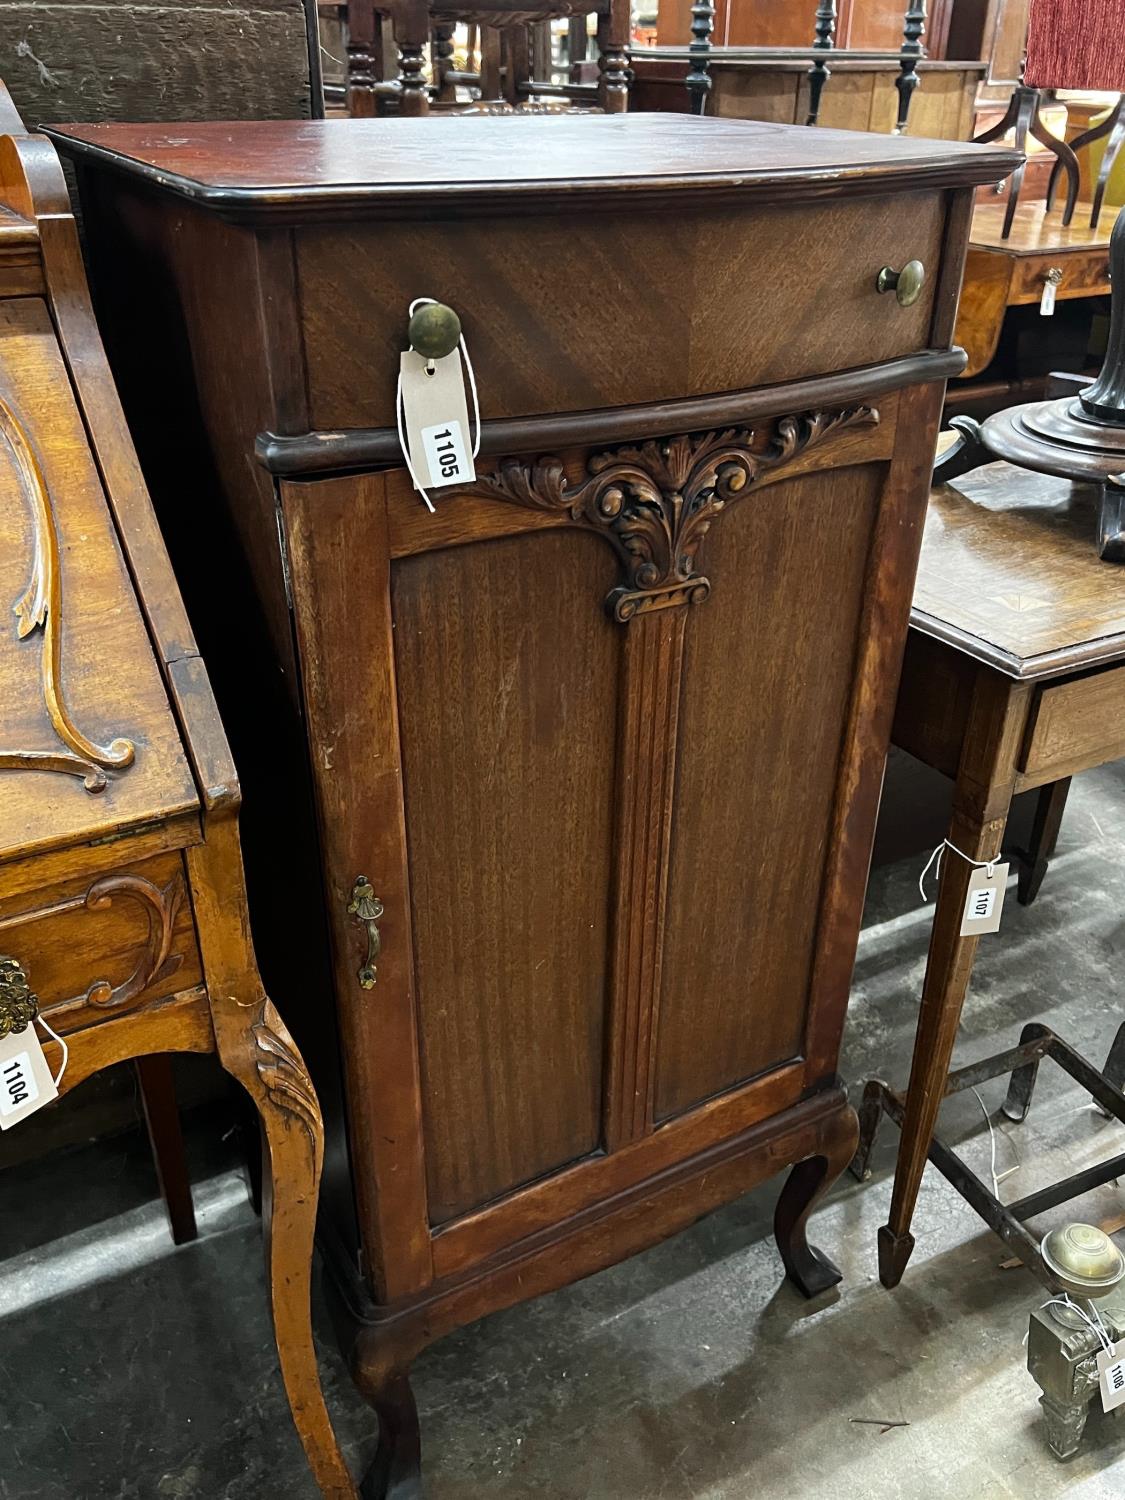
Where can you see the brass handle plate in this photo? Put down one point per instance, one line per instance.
(366, 907)
(18, 1005)
(906, 284)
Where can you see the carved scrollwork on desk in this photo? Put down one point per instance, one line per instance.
(156, 961)
(39, 608)
(283, 1072)
(656, 502)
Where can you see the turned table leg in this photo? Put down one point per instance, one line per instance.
(982, 795)
(256, 1049)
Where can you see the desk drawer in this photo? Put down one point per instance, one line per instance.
(99, 946)
(1082, 276)
(619, 309)
(1076, 725)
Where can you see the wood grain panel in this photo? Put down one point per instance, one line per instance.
(95, 948)
(760, 733)
(96, 616)
(508, 684)
(705, 321)
(1076, 724)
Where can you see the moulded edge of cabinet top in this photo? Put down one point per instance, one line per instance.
(440, 167)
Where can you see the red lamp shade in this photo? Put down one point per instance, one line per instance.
(1076, 44)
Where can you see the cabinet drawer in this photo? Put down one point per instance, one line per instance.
(620, 310)
(1084, 275)
(1076, 725)
(102, 945)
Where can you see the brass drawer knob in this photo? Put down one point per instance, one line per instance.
(18, 1006)
(906, 284)
(434, 330)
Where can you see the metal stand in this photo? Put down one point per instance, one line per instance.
(1079, 438)
(1036, 1043)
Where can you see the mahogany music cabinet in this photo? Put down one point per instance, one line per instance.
(585, 765)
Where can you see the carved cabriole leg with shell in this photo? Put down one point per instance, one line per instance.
(256, 1049)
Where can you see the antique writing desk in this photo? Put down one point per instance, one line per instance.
(593, 753)
(1014, 678)
(122, 907)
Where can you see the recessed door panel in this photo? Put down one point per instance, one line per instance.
(766, 683)
(508, 682)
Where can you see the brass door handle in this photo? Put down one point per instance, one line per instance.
(366, 907)
(18, 1006)
(906, 284)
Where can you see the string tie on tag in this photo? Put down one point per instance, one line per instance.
(400, 404)
(988, 865)
(65, 1049)
(1094, 1324)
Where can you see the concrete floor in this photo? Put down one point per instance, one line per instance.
(130, 1370)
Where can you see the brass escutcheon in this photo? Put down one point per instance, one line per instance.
(18, 1005)
(366, 907)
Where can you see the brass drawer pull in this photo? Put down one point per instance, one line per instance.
(18, 1005)
(366, 907)
(906, 284)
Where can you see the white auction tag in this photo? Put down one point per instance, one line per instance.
(984, 901)
(436, 419)
(1047, 301)
(1111, 1377)
(26, 1084)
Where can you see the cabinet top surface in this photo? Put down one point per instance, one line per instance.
(441, 166)
(1010, 575)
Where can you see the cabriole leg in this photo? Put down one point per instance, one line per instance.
(810, 1271)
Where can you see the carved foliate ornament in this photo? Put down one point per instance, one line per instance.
(39, 612)
(655, 503)
(283, 1073)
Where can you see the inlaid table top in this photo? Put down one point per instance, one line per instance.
(1009, 574)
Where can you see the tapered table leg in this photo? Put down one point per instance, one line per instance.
(162, 1119)
(981, 797)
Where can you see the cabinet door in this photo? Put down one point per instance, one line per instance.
(605, 733)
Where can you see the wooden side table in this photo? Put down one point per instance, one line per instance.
(1014, 678)
(122, 908)
(1002, 273)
